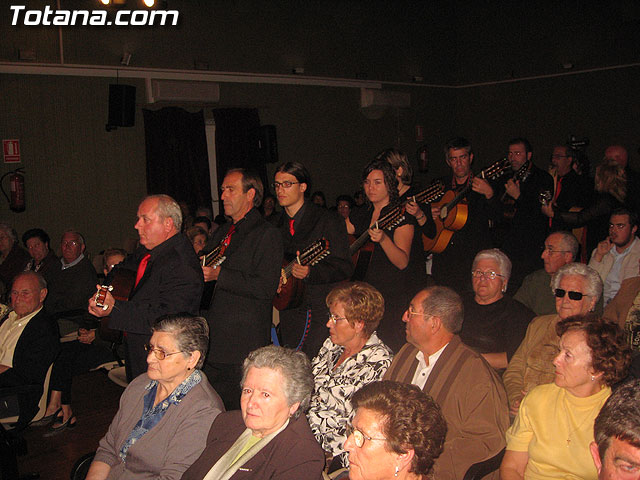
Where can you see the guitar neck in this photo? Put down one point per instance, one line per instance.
(384, 222)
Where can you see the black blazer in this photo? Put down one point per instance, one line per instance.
(293, 454)
(240, 312)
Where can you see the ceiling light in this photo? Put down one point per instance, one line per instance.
(149, 3)
(105, 2)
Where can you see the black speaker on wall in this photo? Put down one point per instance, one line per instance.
(268, 143)
(122, 106)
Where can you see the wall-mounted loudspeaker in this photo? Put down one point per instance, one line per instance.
(268, 143)
(122, 106)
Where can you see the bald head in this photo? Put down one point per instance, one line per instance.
(618, 154)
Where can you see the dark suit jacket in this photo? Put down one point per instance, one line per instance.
(35, 351)
(172, 283)
(240, 313)
(293, 454)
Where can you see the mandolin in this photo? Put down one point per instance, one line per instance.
(122, 282)
(292, 289)
(454, 214)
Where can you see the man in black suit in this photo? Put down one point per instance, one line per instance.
(240, 312)
(301, 223)
(168, 279)
(28, 342)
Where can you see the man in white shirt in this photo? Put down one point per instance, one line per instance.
(471, 395)
(616, 257)
(28, 342)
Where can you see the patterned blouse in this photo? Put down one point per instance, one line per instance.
(330, 408)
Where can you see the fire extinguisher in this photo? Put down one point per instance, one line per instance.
(16, 199)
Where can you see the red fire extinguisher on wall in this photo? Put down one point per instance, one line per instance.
(16, 196)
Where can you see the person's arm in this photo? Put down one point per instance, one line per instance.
(98, 470)
(513, 465)
(337, 266)
(497, 360)
(513, 377)
(397, 249)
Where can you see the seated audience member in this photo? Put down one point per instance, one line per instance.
(269, 206)
(71, 284)
(198, 238)
(358, 198)
(468, 390)
(616, 257)
(551, 434)
(351, 357)
(577, 289)
(619, 155)
(43, 260)
(269, 437)
(28, 342)
(398, 432)
(89, 351)
(624, 309)
(611, 192)
(203, 212)
(12, 256)
(494, 324)
(560, 248)
(616, 449)
(344, 204)
(319, 199)
(165, 414)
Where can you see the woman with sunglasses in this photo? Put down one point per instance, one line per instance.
(577, 289)
(397, 432)
(351, 357)
(396, 264)
(551, 434)
(164, 417)
(494, 323)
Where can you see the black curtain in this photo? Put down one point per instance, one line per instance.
(177, 161)
(237, 133)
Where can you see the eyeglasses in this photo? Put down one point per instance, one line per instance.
(561, 292)
(618, 226)
(359, 437)
(335, 318)
(490, 274)
(517, 154)
(72, 243)
(158, 352)
(410, 311)
(551, 250)
(284, 185)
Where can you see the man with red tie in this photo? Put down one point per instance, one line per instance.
(168, 279)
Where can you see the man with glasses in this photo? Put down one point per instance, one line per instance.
(616, 257)
(528, 227)
(301, 223)
(71, 284)
(471, 395)
(239, 316)
(559, 249)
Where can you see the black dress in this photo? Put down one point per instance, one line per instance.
(396, 286)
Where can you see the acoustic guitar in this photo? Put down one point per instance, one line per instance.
(361, 256)
(292, 289)
(454, 212)
(122, 282)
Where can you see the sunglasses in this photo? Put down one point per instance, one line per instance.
(560, 293)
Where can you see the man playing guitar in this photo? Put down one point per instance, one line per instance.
(301, 223)
(452, 267)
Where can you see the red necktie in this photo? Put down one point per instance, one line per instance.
(291, 229)
(227, 240)
(556, 195)
(141, 268)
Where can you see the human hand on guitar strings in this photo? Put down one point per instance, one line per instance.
(513, 188)
(98, 311)
(412, 208)
(547, 209)
(481, 186)
(376, 234)
(300, 271)
(435, 212)
(210, 273)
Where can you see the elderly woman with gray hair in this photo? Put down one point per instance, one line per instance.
(494, 323)
(577, 289)
(269, 438)
(165, 414)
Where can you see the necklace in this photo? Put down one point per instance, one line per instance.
(573, 430)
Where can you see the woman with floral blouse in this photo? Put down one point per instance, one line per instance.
(350, 358)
